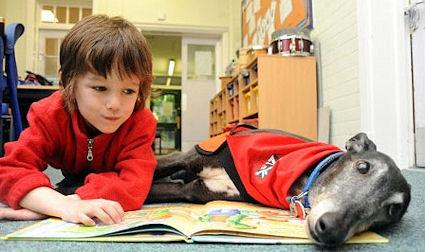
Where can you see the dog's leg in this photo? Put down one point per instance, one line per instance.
(195, 192)
(179, 164)
(198, 192)
(166, 192)
(169, 164)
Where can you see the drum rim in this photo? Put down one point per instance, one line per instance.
(293, 54)
(285, 36)
(257, 47)
(303, 33)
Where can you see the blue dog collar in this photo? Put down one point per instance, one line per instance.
(312, 178)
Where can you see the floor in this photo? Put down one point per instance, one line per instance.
(408, 235)
(54, 174)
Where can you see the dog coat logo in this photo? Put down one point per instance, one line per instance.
(265, 168)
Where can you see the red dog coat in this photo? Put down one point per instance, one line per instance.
(269, 162)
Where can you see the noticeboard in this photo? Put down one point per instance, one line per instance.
(260, 18)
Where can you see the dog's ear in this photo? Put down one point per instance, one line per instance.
(360, 143)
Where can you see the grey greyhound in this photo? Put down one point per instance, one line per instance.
(356, 190)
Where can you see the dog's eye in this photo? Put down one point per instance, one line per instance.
(394, 210)
(363, 167)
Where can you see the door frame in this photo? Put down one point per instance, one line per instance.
(218, 56)
(200, 32)
(194, 131)
(416, 25)
(220, 33)
(41, 52)
(385, 80)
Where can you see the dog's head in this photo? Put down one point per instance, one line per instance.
(363, 189)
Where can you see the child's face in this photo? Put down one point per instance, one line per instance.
(106, 103)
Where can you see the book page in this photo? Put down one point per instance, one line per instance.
(244, 219)
(175, 219)
(222, 221)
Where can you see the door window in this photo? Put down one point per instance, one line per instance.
(200, 62)
(51, 58)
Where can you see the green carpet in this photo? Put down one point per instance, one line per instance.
(408, 235)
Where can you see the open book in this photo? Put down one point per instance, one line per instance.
(216, 221)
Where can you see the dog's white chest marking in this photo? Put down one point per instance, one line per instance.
(217, 180)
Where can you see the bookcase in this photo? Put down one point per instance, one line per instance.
(280, 91)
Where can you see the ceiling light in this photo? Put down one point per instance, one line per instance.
(171, 65)
(48, 16)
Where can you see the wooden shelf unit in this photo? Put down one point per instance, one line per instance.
(232, 99)
(280, 91)
(219, 112)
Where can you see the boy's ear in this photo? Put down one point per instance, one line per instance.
(60, 76)
(360, 143)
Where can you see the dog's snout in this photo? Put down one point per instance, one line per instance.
(329, 230)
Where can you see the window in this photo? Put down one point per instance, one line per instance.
(55, 19)
(51, 64)
(63, 14)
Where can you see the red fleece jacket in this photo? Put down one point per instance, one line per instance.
(268, 164)
(123, 162)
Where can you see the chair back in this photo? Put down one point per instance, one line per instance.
(13, 32)
(2, 86)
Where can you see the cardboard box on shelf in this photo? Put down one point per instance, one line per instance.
(255, 50)
(243, 57)
(224, 80)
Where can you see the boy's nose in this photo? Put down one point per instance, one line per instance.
(113, 102)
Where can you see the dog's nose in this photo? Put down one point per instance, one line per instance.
(330, 230)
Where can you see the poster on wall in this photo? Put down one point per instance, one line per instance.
(260, 18)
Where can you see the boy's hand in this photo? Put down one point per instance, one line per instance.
(74, 196)
(71, 208)
(85, 211)
(7, 213)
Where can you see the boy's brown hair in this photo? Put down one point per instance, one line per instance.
(101, 45)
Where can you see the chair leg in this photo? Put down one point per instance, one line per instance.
(1, 136)
(11, 129)
(157, 140)
(160, 145)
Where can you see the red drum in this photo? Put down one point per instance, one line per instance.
(290, 42)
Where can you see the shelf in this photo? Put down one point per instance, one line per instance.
(164, 87)
(250, 63)
(279, 92)
(253, 83)
(251, 115)
(246, 89)
(233, 96)
(249, 87)
(38, 87)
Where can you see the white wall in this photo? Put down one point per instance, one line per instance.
(15, 11)
(335, 27)
(185, 12)
(214, 17)
(385, 79)
(365, 73)
(2, 8)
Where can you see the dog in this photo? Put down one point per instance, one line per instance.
(353, 190)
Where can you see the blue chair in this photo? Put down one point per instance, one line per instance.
(7, 50)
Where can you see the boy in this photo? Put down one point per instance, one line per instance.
(95, 130)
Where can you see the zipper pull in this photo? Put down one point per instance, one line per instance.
(90, 142)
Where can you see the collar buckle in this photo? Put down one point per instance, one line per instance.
(298, 208)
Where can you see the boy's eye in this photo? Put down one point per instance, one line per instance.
(129, 91)
(99, 88)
